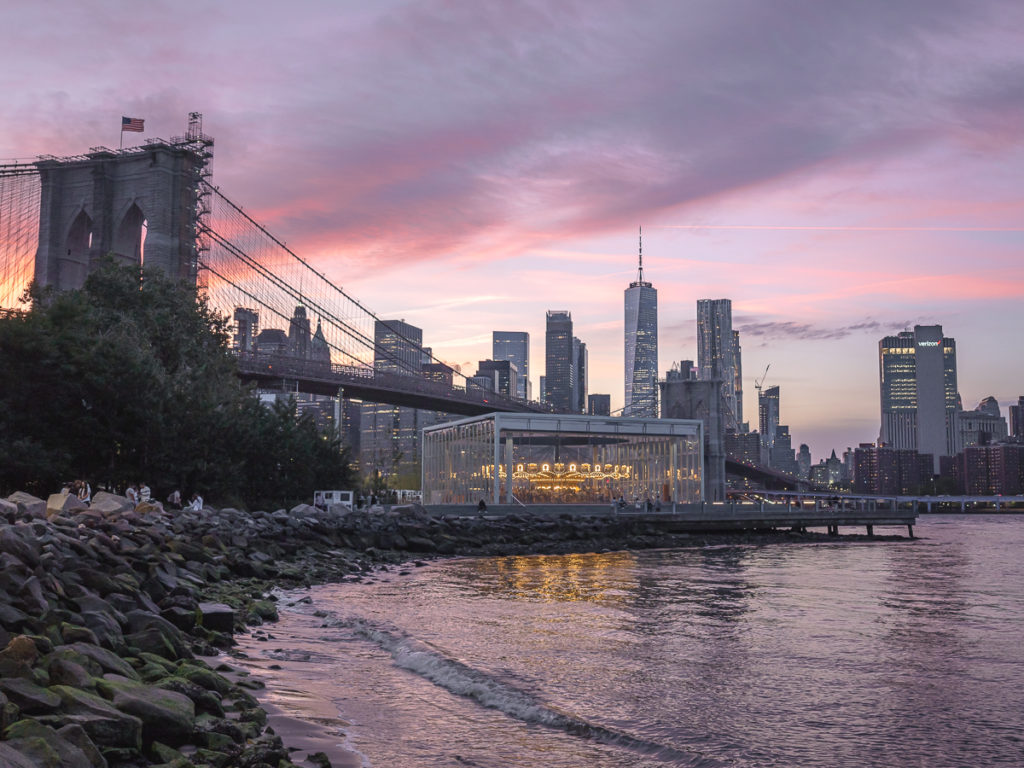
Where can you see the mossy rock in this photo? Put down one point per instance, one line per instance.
(166, 716)
(45, 746)
(210, 757)
(108, 661)
(167, 755)
(107, 726)
(207, 678)
(30, 698)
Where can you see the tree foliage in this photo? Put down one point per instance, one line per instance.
(129, 379)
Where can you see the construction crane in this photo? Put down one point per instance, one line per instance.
(759, 382)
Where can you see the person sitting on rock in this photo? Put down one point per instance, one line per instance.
(145, 494)
(132, 494)
(481, 507)
(196, 504)
(174, 499)
(84, 492)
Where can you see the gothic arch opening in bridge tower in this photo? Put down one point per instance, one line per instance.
(74, 264)
(130, 237)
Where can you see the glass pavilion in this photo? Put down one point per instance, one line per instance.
(504, 458)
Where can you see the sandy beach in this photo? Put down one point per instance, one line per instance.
(298, 705)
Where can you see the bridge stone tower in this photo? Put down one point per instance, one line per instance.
(142, 206)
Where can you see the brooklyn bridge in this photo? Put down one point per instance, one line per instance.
(156, 205)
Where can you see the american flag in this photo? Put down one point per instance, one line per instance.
(132, 124)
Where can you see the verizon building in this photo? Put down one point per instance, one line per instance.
(917, 382)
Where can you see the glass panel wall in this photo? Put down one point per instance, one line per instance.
(559, 460)
(458, 461)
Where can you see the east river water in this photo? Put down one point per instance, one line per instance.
(895, 653)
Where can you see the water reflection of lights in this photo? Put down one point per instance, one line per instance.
(593, 577)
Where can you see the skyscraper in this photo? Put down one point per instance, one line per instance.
(559, 363)
(737, 379)
(599, 405)
(389, 434)
(641, 345)
(768, 415)
(579, 356)
(1017, 418)
(515, 347)
(917, 383)
(717, 355)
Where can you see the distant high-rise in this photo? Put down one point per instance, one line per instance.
(514, 346)
(684, 370)
(398, 347)
(737, 379)
(559, 363)
(579, 355)
(782, 456)
(803, 461)
(599, 405)
(1017, 418)
(641, 345)
(247, 327)
(717, 357)
(389, 434)
(299, 334)
(768, 415)
(917, 382)
(502, 376)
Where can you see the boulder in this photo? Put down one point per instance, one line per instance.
(166, 716)
(18, 540)
(30, 698)
(110, 504)
(75, 734)
(216, 616)
(106, 660)
(64, 671)
(45, 745)
(149, 508)
(63, 504)
(106, 725)
(28, 504)
(22, 650)
(12, 758)
(8, 509)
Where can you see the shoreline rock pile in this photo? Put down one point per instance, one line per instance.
(106, 612)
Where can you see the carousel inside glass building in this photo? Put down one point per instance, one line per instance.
(559, 459)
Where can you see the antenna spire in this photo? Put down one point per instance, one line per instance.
(640, 270)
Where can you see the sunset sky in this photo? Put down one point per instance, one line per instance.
(840, 170)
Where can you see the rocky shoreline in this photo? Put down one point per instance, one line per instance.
(107, 612)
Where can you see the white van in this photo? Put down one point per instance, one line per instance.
(324, 499)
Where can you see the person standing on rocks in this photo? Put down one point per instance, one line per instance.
(174, 499)
(132, 494)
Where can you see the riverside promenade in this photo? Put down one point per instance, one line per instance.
(756, 516)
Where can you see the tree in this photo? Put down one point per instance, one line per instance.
(130, 379)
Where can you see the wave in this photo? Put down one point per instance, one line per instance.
(460, 679)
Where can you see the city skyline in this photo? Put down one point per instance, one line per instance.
(468, 168)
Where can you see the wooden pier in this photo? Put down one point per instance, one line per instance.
(718, 517)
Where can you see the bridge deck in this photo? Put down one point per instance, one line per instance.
(363, 383)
